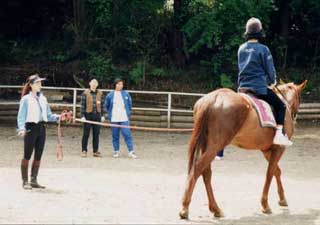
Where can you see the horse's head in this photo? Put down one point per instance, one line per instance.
(291, 93)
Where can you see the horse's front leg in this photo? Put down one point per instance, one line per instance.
(282, 201)
(275, 156)
(277, 174)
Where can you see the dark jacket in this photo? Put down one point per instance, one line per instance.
(256, 68)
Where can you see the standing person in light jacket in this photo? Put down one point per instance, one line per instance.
(91, 109)
(34, 112)
(118, 105)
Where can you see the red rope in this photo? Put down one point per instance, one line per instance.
(136, 127)
(67, 116)
(64, 116)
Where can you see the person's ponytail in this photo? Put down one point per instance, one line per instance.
(25, 89)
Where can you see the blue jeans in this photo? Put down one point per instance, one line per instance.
(126, 133)
(220, 153)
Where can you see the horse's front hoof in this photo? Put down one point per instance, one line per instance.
(283, 202)
(266, 210)
(219, 214)
(184, 215)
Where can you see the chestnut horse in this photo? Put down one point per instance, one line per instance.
(224, 117)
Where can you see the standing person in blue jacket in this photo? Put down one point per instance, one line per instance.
(257, 74)
(34, 112)
(118, 105)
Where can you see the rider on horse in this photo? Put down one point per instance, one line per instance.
(257, 75)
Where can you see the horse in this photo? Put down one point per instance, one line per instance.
(224, 117)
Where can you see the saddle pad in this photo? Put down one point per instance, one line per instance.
(263, 110)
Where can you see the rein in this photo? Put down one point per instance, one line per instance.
(64, 116)
(293, 115)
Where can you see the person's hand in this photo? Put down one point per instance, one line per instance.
(272, 86)
(66, 116)
(103, 119)
(62, 117)
(21, 133)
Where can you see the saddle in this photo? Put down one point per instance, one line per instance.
(263, 109)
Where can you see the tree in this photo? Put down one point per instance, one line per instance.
(178, 44)
(79, 24)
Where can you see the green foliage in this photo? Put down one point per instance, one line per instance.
(132, 30)
(137, 73)
(225, 81)
(100, 11)
(221, 24)
(62, 57)
(295, 76)
(101, 67)
(218, 26)
(136, 39)
(158, 72)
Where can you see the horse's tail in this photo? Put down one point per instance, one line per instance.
(199, 136)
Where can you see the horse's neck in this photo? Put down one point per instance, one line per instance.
(289, 124)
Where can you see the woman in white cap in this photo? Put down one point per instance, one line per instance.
(34, 111)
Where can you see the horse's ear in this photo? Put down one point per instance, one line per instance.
(302, 85)
(281, 82)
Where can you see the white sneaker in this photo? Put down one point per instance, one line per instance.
(132, 155)
(116, 155)
(280, 139)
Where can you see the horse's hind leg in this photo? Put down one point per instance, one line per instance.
(191, 182)
(277, 174)
(275, 155)
(196, 170)
(213, 206)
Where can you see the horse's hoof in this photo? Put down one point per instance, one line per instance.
(184, 215)
(283, 202)
(219, 214)
(266, 211)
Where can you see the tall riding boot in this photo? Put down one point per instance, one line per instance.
(34, 174)
(24, 174)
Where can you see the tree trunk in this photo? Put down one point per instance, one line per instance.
(116, 7)
(284, 29)
(284, 18)
(179, 55)
(79, 14)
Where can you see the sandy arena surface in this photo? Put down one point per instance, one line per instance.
(149, 189)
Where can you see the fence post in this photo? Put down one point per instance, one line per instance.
(169, 110)
(74, 108)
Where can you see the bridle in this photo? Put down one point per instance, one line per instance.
(293, 113)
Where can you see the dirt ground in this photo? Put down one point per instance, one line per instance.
(149, 189)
